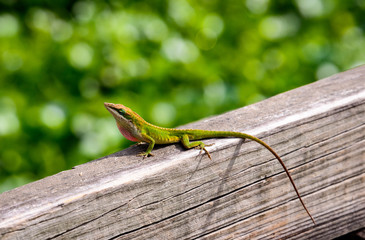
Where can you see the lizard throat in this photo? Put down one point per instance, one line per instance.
(128, 135)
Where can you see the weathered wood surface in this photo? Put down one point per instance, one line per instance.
(318, 129)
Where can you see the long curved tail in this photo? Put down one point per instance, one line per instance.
(244, 135)
(283, 165)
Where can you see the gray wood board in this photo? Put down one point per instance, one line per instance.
(243, 193)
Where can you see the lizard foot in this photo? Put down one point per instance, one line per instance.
(205, 150)
(144, 154)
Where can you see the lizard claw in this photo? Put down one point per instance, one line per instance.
(144, 154)
(205, 150)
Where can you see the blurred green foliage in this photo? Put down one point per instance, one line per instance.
(171, 61)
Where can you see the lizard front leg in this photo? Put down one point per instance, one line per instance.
(197, 144)
(151, 142)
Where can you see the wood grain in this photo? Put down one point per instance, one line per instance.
(317, 129)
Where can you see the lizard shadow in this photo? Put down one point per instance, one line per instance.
(132, 156)
(199, 158)
(132, 150)
(216, 200)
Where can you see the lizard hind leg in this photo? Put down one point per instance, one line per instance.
(196, 144)
(206, 151)
(202, 147)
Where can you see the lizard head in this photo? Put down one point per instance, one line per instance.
(127, 120)
(120, 112)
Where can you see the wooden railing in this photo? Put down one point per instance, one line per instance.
(243, 193)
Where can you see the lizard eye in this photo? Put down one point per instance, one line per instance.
(121, 111)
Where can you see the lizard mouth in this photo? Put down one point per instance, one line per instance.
(111, 108)
(111, 105)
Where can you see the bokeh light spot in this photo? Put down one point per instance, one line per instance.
(326, 69)
(206, 39)
(277, 27)
(90, 144)
(9, 25)
(177, 49)
(215, 93)
(137, 67)
(180, 11)
(53, 116)
(163, 113)
(9, 123)
(257, 6)
(81, 55)
(214, 23)
(314, 8)
(213, 26)
(102, 134)
(82, 123)
(61, 30)
(41, 19)
(156, 29)
(84, 10)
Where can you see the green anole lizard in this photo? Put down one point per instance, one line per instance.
(136, 129)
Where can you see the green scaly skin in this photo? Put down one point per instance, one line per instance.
(136, 129)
